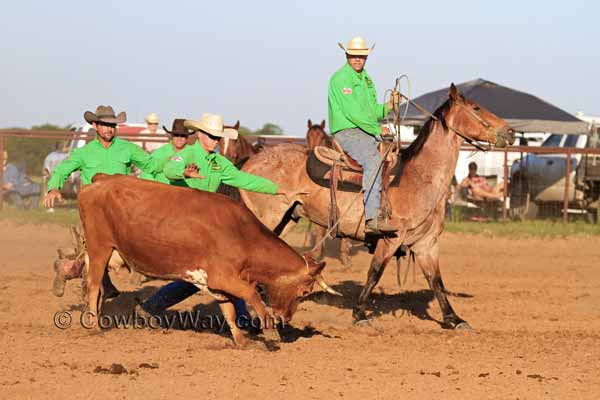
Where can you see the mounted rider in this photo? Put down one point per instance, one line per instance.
(353, 120)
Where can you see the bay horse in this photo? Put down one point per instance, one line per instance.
(417, 194)
(316, 136)
(236, 149)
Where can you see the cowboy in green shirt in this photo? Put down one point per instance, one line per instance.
(203, 169)
(199, 167)
(179, 136)
(105, 154)
(354, 116)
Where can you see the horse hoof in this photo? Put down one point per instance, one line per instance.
(463, 326)
(362, 323)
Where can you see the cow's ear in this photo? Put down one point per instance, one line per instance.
(323, 124)
(309, 123)
(315, 269)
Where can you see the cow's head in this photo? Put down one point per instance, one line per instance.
(286, 294)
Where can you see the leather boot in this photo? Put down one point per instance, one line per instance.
(379, 226)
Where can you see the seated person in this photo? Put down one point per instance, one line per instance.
(18, 187)
(478, 187)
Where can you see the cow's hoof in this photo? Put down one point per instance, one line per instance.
(359, 317)
(272, 335)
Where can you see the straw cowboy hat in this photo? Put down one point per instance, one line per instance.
(357, 47)
(212, 124)
(152, 118)
(178, 128)
(105, 114)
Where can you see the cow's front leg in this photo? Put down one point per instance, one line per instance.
(228, 310)
(248, 293)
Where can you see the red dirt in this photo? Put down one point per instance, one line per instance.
(534, 303)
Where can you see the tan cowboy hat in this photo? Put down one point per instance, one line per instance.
(212, 124)
(152, 118)
(105, 114)
(357, 47)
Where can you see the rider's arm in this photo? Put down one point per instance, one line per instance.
(64, 169)
(141, 159)
(174, 169)
(242, 180)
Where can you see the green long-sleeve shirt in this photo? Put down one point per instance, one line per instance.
(215, 169)
(161, 155)
(93, 158)
(353, 102)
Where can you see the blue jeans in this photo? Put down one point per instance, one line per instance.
(177, 291)
(363, 148)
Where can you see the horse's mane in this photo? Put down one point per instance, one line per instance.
(415, 147)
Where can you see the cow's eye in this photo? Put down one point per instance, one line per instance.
(476, 108)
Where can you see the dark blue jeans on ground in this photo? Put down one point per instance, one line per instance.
(176, 292)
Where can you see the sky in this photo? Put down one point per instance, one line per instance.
(270, 61)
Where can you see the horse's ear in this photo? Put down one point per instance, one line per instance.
(323, 124)
(309, 123)
(454, 94)
(237, 125)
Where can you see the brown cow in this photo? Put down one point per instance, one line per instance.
(204, 238)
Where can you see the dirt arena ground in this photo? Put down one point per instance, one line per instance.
(535, 304)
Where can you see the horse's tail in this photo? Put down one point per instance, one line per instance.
(402, 252)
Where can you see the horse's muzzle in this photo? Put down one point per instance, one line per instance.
(505, 136)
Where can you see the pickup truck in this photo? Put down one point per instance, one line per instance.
(538, 180)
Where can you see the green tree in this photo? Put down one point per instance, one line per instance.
(269, 129)
(29, 154)
(245, 131)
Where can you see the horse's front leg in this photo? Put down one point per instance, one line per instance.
(383, 253)
(428, 260)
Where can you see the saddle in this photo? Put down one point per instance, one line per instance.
(336, 170)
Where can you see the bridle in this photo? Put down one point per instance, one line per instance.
(472, 142)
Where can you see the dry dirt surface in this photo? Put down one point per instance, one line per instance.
(534, 304)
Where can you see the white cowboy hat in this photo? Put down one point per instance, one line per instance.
(357, 47)
(152, 118)
(213, 124)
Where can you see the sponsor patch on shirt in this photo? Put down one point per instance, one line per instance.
(347, 90)
(176, 158)
(216, 167)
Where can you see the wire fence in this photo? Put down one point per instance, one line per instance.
(524, 182)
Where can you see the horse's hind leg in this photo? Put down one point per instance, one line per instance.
(429, 262)
(383, 253)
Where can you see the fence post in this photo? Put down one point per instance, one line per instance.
(567, 183)
(1, 171)
(505, 188)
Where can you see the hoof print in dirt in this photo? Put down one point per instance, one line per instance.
(149, 366)
(114, 369)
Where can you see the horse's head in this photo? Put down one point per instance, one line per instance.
(227, 146)
(471, 121)
(316, 136)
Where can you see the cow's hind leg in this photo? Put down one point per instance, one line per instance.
(428, 260)
(383, 253)
(98, 258)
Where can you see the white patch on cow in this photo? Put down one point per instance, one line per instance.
(199, 278)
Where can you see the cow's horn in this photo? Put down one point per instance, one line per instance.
(319, 279)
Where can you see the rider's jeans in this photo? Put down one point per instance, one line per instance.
(363, 148)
